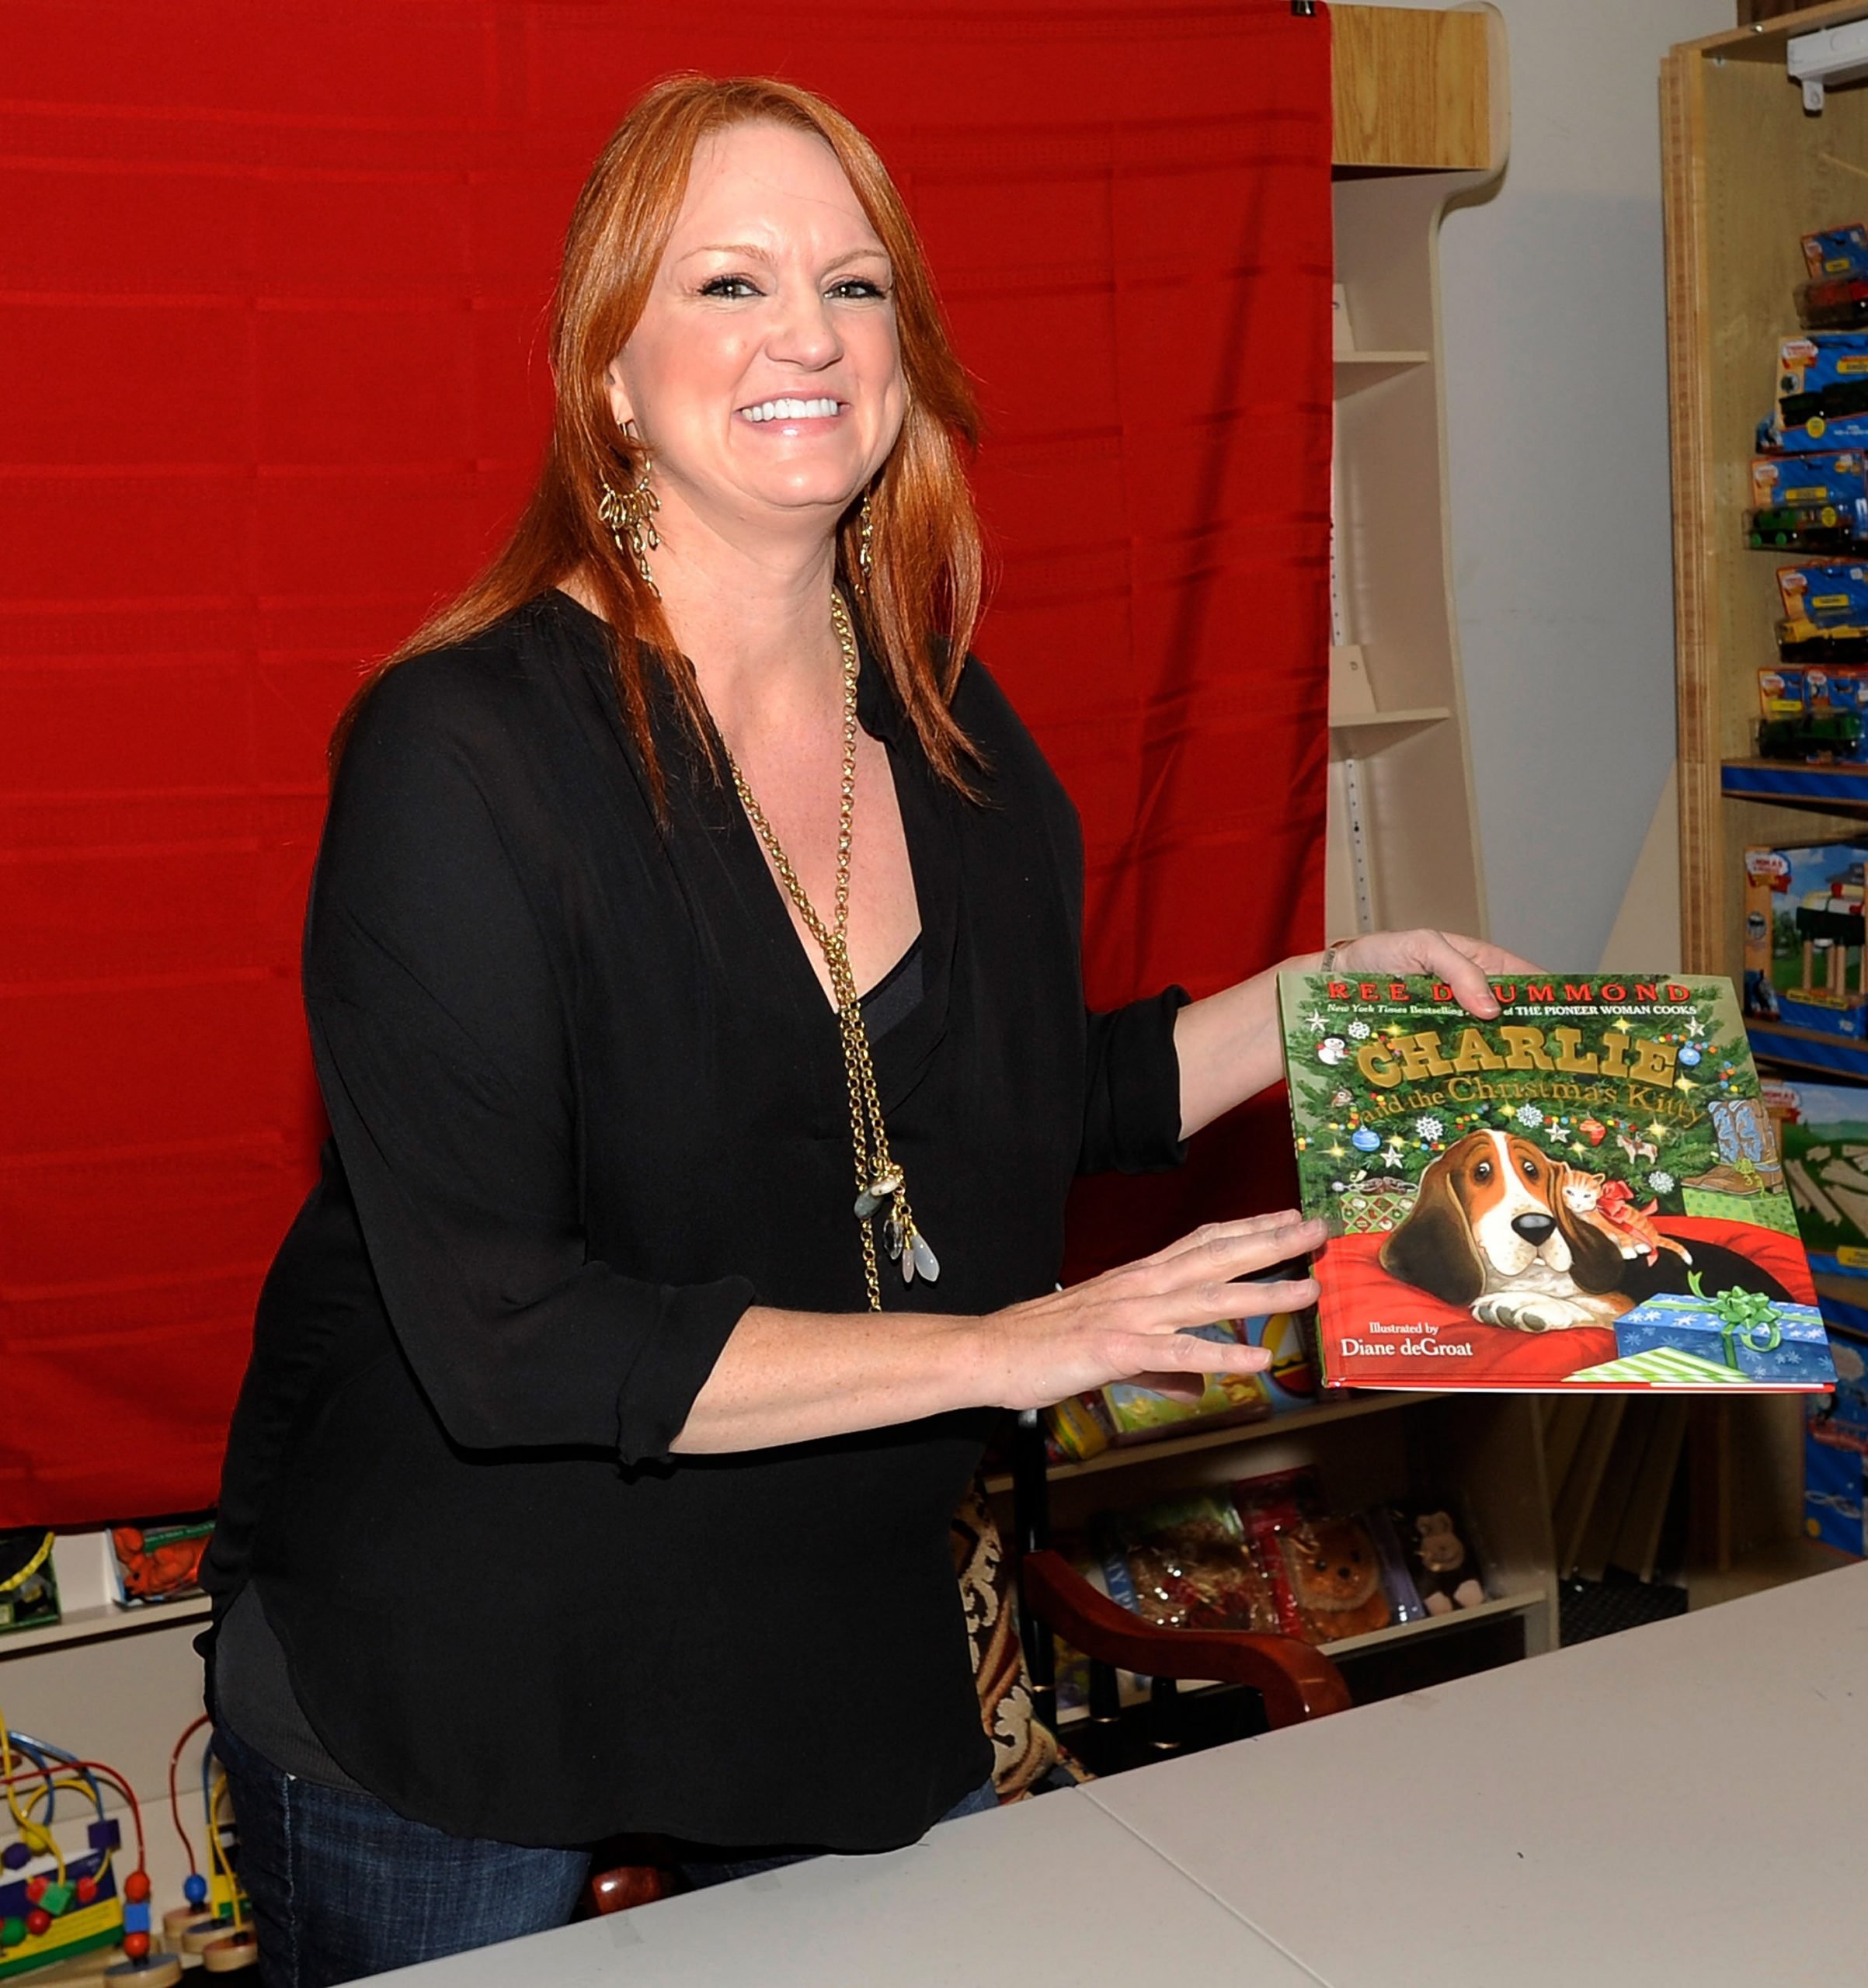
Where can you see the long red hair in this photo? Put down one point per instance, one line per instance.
(921, 601)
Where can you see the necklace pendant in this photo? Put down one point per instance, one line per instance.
(894, 1242)
(877, 1191)
(916, 1259)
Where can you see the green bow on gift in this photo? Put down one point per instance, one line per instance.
(1745, 1316)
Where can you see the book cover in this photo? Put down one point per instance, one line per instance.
(1585, 1192)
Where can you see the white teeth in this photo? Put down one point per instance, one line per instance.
(791, 410)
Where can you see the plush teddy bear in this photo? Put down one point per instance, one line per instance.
(1336, 1579)
(1443, 1571)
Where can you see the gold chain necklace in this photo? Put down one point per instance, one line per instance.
(879, 1184)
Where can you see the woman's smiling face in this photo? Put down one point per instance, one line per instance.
(765, 372)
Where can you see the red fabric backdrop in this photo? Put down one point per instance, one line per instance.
(273, 306)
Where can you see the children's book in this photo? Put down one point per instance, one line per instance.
(1585, 1192)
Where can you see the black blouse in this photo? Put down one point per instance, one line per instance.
(588, 1104)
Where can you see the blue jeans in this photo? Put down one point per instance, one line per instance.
(342, 1886)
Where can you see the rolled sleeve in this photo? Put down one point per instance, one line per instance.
(1131, 1088)
(440, 1034)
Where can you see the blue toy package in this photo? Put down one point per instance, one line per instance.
(1813, 712)
(1788, 689)
(1822, 394)
(1815, 504)
(1825, 600)
(1830, 476)
(1837, 252)
(1835, 1435)
(1803, 932)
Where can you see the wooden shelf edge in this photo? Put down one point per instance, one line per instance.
(1813, 789)
(94, 1624)
(1393, 721)
(1293, 1423)
(1518, 1602)
(1763, 41)
(1766, 1566)
(1837, 1057)
(1353, 373)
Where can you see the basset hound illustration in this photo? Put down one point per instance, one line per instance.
(1491, 1228)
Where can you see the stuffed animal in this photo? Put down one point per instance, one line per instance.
(1336, 1579)
(1442, 1568)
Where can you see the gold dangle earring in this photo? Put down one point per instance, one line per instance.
(630, 515)
(865, 533)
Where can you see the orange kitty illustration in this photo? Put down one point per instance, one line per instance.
(1609, 1205)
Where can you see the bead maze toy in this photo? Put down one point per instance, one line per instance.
(66, 1915)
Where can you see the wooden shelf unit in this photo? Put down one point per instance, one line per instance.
(1420, 122)
(1483, 1452)
(1746, 173)
(1420, 100)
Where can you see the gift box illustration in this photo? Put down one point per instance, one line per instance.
(1743, 1333)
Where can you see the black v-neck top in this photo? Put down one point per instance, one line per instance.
(588, 1103)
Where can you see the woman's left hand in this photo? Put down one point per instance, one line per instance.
(1230, 1045)
(1461, 963)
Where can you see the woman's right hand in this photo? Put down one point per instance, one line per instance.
(1130, 1324)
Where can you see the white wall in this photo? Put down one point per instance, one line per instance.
(1553, 298)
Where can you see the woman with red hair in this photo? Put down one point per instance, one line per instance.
(692, 972)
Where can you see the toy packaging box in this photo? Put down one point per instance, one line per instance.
(1803, 937)
(1290, 1382)
(1814, 711)
(1836, 294)
(1083, 1426)
(1833, 476)
(1822, 1134)
(1833, 303)
(29, 1582)
(1837, 252)
(1827, 597)
(1268, 1554)
(1835, 1437)
(157, 1563)
(1788, 689)
(1187, 1563)
(1333, 1576)
(1814, 503)
(1584, 1192)
(1136, 1413)
(1822, 394)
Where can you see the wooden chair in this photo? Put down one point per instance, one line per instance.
(1293, 1681)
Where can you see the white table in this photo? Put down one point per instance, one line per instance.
(1677, 1805)
(1046, 1894)
(1680, 1804)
